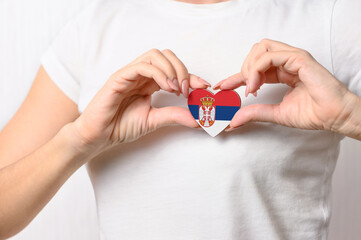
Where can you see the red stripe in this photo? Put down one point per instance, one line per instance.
(222, 98)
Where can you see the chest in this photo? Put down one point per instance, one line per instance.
(212, 48)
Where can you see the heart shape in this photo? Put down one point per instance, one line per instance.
(213, 112)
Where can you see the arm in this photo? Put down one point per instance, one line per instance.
(352, 124)
(56, 141)
(28, 183)
(316, 99)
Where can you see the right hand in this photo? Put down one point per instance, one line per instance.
(316, 99)
(121, 111)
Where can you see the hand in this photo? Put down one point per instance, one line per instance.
(121, 111)
(316, 99)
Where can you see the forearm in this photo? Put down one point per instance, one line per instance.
(352, 124)
(28, 184)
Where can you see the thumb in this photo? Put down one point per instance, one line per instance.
(254, 113)
(161, 117)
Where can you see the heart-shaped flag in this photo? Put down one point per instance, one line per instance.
(213, 112)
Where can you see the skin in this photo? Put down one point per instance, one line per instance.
(316, 99)
(32, 169)
(42, 146)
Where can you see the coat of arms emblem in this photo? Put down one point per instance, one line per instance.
(207, 112)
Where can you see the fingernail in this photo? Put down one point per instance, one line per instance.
(185, 88)
(255, 94)
(230, 129)
(176, 84)
(172, 85)
(204, 82)
(246, 91)
(218, 85)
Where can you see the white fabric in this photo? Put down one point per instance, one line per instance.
(346, 41)
(261, 182)
(27, 28)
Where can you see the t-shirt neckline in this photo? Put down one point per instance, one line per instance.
(200, 10)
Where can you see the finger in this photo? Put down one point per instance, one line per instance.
(245, 64)
(272, 45)
(289, 67)
(158, 59)
(132, 73)
(148, 88)
(255, 113)
(197, 82)
(231, 82)
(184, 79)
(218, 85)
(254, 55)
(257, 53)
(258, 49)
(288, 61)
(161, 117)
(180, 70)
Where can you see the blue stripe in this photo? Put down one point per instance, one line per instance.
(223, 113)
(194, 110)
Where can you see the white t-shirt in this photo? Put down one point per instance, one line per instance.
(263, 181)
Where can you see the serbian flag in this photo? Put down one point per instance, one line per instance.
(213, 112)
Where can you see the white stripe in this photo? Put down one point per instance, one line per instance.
(216, 128)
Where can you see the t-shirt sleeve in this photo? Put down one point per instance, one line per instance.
(346, 43)
(63, 62)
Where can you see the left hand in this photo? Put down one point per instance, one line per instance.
(316, 99)
(122, 112)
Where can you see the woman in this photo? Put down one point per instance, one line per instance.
(263, 181)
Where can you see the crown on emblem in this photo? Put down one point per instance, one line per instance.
(207, 101)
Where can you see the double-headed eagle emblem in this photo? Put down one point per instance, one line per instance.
(207, 112)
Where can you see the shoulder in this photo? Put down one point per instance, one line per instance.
(302, 4)
(346, 30)
(347, 11)
(98, 8)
